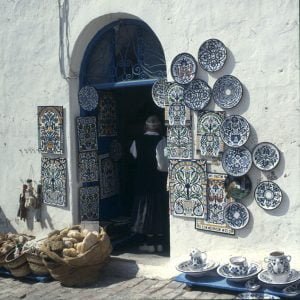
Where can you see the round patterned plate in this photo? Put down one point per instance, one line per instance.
(88, 98)
(184, 68)
(265, 156)
(236, 161)
(197, 94)
(268, 195)
(187, 268)
(159, 92)
(227, 91)
(238, 187)
(235, 131)
(212, 55)
(175, 94)
(236, 215)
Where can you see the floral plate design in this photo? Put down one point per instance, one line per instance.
(160, 92)
(268, 195)
(88, 98)
(187, 268)
(251, 295)
(236, 215)
(265, 156)
(264, 277)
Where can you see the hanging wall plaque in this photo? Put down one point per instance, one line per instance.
(265, 156)
(236, 215)
(216, 201)
(180, 142)
(54, 180)
(88, 166)
(88, 98)
(87, 133)
(89, 203)
(227, 91)
(212, 55)
(107, 117)
(268, 195)
(109, 179)
(160, 92)
(236, 161)
(184, 68)
(235, 131)
(197, 94)
(50, 129)
(188, 188)
(209, 142)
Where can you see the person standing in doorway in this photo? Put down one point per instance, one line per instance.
(150, 210)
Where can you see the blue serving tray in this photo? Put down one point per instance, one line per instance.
(217, 282)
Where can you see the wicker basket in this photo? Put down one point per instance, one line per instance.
(36, 264)
(19, 266)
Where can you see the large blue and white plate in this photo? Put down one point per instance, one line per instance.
(184, 68)
(237, 161)
(187, 268)
(235, 131)
(251, 295)
(88, 98)
(236, 215)
(227, 91)
(212, 55)
(265, 156)
(268, 195)
(265, 277)
(254, 269)
(160, 92)
(197, 94)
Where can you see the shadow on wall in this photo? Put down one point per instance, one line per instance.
(5, 225)
(39, 216)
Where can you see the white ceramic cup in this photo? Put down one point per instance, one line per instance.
(238, 266)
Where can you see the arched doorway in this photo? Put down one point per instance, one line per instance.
(121, 62)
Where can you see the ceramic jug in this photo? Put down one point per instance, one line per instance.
(198, 258)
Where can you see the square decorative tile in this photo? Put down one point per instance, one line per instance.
(51, 129)
(88, 166)
(54, 180)
(87, 134)
(216, 201)
(89, 203)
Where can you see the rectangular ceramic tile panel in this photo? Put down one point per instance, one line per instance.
(179, 142)
(109, 179)
(87, 133)
(209, 141)
(107, 116)
(89, 203)
(187, 186)
(50, 129)
(216, 201)
(88, 166)
(177, 115)
(54, 180)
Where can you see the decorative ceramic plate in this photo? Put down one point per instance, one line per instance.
(197, 94)
(88, 98)
(227, 91)
(251, 295)
(265, 278)
(238, 187)
(184, 68)
(236, 215)
(175, 94)
(160, 92)
(235, 131)
(187, 268)
(265, 156)
(237, 161)
(293, 289)
(268, 195)
(254, 269)
(212, 55)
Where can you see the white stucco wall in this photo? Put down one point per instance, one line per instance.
(262, 37)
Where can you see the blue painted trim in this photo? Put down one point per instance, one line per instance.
(121, 84)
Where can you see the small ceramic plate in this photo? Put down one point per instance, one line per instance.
(197, 94)
(186, 268)
(236, 161)
(251, 295)
(212, 55)
(268, 195)
(223, 271)
(265, 278)
(293, 289)
(183, 68)
(235, 131)
(160, 92)
(88, 98)
(175, 94)
(227, 91)
(236, 215)
(265, 156)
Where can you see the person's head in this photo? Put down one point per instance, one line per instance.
(153, 124)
